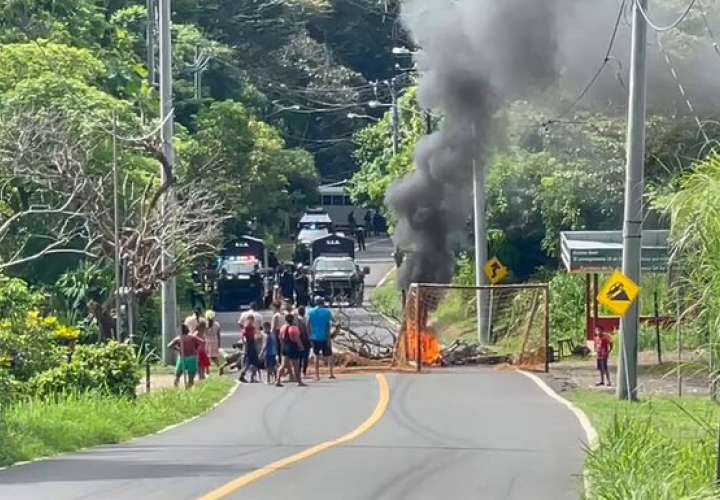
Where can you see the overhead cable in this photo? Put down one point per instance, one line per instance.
(670, 26)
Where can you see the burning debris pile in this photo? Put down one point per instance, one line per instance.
(462, 353)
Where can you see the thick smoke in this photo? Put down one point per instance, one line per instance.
(476, 55)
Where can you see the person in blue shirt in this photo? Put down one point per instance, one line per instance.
(320, 320)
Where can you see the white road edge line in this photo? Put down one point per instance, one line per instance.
(384, 279)
(161, 431)
(590, 431)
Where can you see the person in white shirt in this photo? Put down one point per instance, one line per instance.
(193, 320)
(251, 312)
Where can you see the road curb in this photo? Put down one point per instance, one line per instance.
(161, 431)
(590, 431)
(247, 479)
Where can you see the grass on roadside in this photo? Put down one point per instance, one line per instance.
(39, 428)
(387, 299)
(660, 449)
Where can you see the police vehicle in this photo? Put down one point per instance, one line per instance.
(314, 224)
(334, 274)
(240, 274)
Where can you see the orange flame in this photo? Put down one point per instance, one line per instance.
(430, 347)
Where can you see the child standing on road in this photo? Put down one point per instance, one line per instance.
(271, 349)
(252, 360)
(186, 346)
(603, 348)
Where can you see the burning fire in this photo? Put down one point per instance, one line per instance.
(430, 347)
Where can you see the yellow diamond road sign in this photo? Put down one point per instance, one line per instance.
(495, 271)
(619, 294)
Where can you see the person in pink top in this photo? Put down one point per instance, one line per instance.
(212, 338)
(603, 348)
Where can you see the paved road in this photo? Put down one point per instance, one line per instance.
(472, 434)
(378, 258)
(256, 426)
(466, 434)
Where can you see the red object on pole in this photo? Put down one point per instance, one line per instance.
(588, 305)
(418, 332)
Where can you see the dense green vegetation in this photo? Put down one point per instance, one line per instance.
(661, 449)
(262, 91)
(68, 422)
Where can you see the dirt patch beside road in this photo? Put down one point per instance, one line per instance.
(653, 378)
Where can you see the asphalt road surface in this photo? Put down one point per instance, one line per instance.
(463, 434)
(378, 257)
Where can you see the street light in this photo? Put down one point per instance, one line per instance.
(355, 116)
(403, 51)
(294, 107)
(378, 104)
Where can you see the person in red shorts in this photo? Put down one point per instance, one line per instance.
(603, 348)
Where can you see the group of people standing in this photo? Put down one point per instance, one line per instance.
(282, 346)
(293, 287)
(197, 347)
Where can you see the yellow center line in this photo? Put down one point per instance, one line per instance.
(239, 483)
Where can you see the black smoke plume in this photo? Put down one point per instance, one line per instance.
(475, 56)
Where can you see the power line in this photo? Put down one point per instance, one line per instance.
(681, 88)
(596, 76)
(670, 26)
(708, 29)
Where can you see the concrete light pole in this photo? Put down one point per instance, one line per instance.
(395, 117)
(150, 41)
(481, 244)
(634, 187)
(168, 291)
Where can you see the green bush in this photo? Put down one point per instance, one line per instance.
(28, 345)
(9, 388)
(567, 318)
(110, 368)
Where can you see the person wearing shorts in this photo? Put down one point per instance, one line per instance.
(320, 321)
(603, 348)
(187, 347)
(292, 349)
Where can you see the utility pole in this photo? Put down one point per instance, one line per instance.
(168, 292)
(481, 257)
(196, 73)
(150, 42)
(116, 234)
(395, 117)
(634, 188)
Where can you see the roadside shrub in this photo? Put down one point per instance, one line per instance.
(109, 368)
(68, 378)
(567, 294)
(637, 460)
(29, 345)
(9, 388)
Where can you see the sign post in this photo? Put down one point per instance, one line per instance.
(496, 273)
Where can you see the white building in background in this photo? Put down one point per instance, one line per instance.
(336, 202)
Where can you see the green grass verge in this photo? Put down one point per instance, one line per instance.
(660, 449)
(387, 299)
(40, 428)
